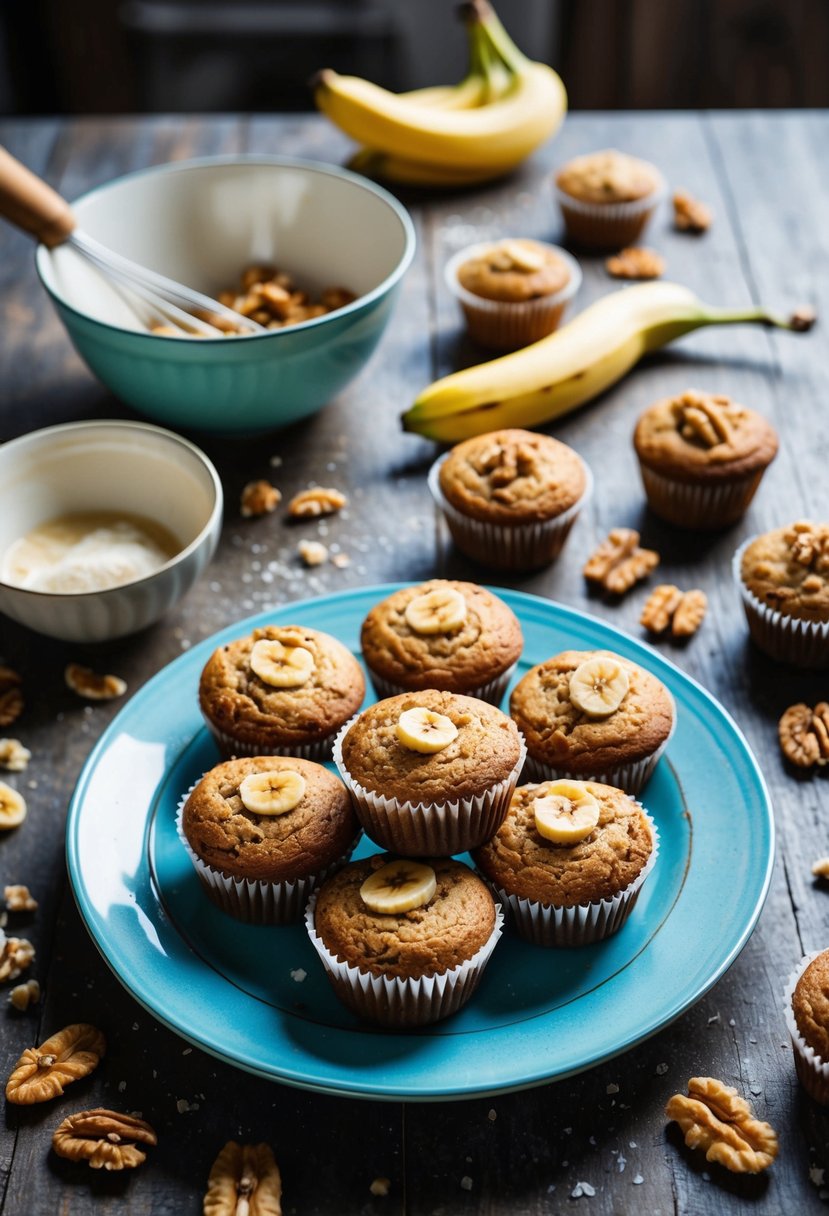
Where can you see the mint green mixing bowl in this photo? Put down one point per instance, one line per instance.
(202, 222)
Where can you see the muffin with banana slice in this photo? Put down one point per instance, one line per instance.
(569, 860)
(431, 773)
(262, 831)
(281, 691)
(442, 634)
(592, 715)
(404, 942)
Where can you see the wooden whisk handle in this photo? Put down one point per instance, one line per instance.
(29, 203)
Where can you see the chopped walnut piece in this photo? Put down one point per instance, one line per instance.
(690, 215)
(319, 500)
(809, 545)
(636, 263)
(14, 757)
(804, 735)
(715, 1118)
(690, 614)
(11, 696)
(16, 955)
(24, 995)
(618, 563)
(43, 1072)
(380, 1186)
(312, 552)
(660, 607)
(244, 1181)
(86, 683)
(820, 868)
(341, 560)
(703, 418)
(259, 498)
(105, 1139)
(19, 898)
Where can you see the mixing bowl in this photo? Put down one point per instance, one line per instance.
(202, 222)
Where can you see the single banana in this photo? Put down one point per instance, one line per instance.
(399, 886)
(599, 686)
(12, 807)
(281, 666)
(424, 730)
(404, 172)
(274, 792)
(573, 365)
(442, 610)
(566, 812)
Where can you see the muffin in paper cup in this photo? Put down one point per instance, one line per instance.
(788, 639)
(424, 829)
(709, 506)
(403, 1003)
(812, 1070)
(511, 324)
(493, 691)
(632, 777)
(608, 225)
(517, 547)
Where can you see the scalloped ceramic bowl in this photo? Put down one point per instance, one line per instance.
(202, 222)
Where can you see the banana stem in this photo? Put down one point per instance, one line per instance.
(801, 320)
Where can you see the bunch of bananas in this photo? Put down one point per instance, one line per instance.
(505, 108)
(573, 365)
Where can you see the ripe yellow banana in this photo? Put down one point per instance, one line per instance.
(413, 172)
(576, 363)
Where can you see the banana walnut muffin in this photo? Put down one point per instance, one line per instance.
(807, 1015)
(606, 198)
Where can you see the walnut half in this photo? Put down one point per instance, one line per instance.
(319, 500)
(619, 563)
(804, 735)
(43, 1072)
(93, 687)
(715, 1118)
(244, 1181)
(105, 1139)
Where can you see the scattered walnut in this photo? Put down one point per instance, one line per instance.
(804, 735)
(42, 1072)
(11, 696)
(714, 1117)
(244, 1181)
(666, 606)
(690, 614)
(636, 263)
(24, 995)
(105, 1139)
(259, 498)
(19, 898)
(820, 868)
(14, 757)
(341, 560)
(690, 215)
(16, 955)
(618, 563)
(13, 807)
(320, 500)
(312, 552)
(380, 1186)
(87, 684)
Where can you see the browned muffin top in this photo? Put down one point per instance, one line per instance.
(271, 847)
(512, 477)
(238, 701)
(607, 177)
(514, 271)
(460, 658)
(524, 863)
(429, 940)
(560, 734)
(703, 434)
(484, 751)
(810, 1005)
(788, 569)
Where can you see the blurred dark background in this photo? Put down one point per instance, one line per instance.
(111, 56)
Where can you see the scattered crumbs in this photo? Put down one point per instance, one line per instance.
(632, 1144)
(341, 560)
(731, 1022)
(122, 1085)
(551, 1188)
(638, 1180)
(752, 1040)
(275, 462)
(582, 1188)
(492, 1115)
(468, 1160)
(661, 1069)
(816, 1175)
(298, 975)
(380, 1186)
(187, 1051)
(706, 1177)
(135, 1026)
(466, 1183)
(621, 1162)
(612, 1088)
(215, 587)
(182, 1106)
(312, 552)
(593, 1141)
(185, 643)
(713, 1019)
(155, 1073)
(568, 1131)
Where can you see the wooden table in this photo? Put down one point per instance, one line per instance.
(766, 176)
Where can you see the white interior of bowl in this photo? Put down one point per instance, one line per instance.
(203, 223)
(136, 469)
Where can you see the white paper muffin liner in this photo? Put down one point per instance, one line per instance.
(548, 925)
(506, 324)
(608, 225)
(699, 505)
(254, 901)
(493, 691)
(430, 829)
(812, 1070)
(398, 1002)
(785, 638)
(320, 751)
(520, 546)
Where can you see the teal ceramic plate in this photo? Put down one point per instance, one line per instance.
(257, 997)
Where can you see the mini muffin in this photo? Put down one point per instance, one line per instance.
(607, 198)
(281, 691)
(592, 715)
(807, 1017)
(404, 942)
(431, 773)
(512, 292)
(569, 860)
(511, 497)
(457, 637)
(263, 830)
(702, 457)
(783, 578)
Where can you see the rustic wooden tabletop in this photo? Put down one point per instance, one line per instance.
(766, 176)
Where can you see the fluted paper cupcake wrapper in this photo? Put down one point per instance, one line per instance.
(320, 750)
(548, 925)
(608, 225)
(709, 506)
(812, 1070)
(250, 900)
(785, 638)
(430, 829)
(521, 546)
(493, 691)
(398, 1002)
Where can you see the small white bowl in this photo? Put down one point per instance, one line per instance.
(108, 466)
